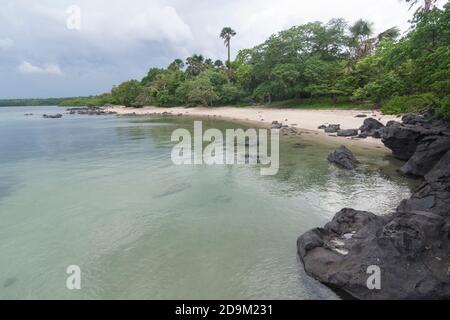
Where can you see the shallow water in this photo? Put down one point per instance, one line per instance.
(101, 193)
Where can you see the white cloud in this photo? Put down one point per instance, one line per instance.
(6, 43)
(29, 68)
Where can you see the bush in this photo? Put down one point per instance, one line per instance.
(126, 93)
(444, 108)
(410, 104)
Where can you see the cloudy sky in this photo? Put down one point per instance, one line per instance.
(43, 53)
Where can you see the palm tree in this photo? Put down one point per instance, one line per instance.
(195, 65)
(390, 34)
(425, 7)
(362, 42)
(226, 34)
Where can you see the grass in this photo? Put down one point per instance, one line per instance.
(320, 103)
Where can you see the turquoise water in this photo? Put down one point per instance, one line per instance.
(101, 193)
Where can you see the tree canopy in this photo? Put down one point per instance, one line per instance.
(334, 60)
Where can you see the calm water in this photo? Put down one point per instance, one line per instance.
(101, 193)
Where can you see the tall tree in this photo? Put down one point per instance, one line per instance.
(226, 34)
(361, 42)
(426, 6)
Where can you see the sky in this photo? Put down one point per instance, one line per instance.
(64, 48)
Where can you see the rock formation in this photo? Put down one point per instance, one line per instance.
(410, 246)
(344, 158)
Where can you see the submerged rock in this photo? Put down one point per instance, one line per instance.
(344, 158)
(9, 282)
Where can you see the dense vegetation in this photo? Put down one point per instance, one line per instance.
(316, 63)
(30, 102)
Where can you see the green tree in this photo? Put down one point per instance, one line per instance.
(126, 93)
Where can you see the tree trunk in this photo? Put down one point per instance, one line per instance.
(334, 98)
(229, 56)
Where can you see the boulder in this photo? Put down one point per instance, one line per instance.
(403, 139)
(411, 246)
(347, 133)
(429, 151)
(344, 158)
(333, 128)
(411, 253)
(277, 125)
(371, 128)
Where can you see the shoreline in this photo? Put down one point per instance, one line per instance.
(307, 121)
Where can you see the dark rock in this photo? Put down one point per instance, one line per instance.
(333, 128)
(411, 246)
(277, 125)
(403, 139)
(340, 254)
(347, 133)
(430, 150)
(344, 158)
(50, 116)
(361, 116)
(322, 127)
(371, 128)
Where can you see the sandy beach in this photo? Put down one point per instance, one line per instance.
(308, 120)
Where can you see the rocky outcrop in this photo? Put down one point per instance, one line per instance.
(428, 152)
(52, 116)
(409, 246)
(90, 111)
(404, 138)
(371, 128)
(344, 158)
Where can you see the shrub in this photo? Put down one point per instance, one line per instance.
(410, 104)
(444, 108)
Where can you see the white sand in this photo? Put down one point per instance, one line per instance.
(308, 120)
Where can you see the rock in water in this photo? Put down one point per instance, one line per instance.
(404, 138)
(411, 246)
(406, 249)
(55, 116)
(344, 158)
(347, 133)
